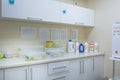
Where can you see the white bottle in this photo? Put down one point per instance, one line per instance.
(86, 47)
(95, 47)
(77, 47)
(71, 46)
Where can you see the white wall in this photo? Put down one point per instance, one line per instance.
(10, 33)
(107, 12)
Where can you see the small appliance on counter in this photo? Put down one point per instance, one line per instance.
(116, 40)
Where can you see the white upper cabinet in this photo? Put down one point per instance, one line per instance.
(88, 17)
(47, 11)
(43, 10)
(72, 14)
(67, 13)
(15, 9)
(34, 9)
(51, 11)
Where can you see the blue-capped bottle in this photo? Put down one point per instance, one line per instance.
(81, 48)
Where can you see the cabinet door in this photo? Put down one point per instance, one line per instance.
(51, 10)
(88, 68)
(35, 9)
(67, 13)
(74, 69)
(1, 74)
(88, 17)
(16, 10)
(38, 72)
(16, 73)
(98, 67)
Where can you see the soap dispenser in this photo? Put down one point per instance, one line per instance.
(81, 48)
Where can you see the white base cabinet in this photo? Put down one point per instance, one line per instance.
(59, 76)
(38, 72)
(98, 67)
(87, 68)
(74, 69)
(77, 69)
(1, 75)
(16, 73)
(58, 70)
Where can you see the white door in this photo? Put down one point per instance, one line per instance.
(17, 9)
(98, 67)
(74, 69)
(38, 72)
(16, 73)
(1, 74)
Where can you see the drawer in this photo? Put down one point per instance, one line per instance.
(58, 67)
(59, 76)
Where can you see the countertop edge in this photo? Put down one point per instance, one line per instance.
(38, 62)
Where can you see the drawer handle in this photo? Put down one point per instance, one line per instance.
(59, 78)
(32, 18)
(59, 67)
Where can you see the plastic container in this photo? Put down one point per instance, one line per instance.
(49, 44)
(91, 48)
(71, 46)
(81, 48)
(77, 47)
(95, 47)
(86, 47)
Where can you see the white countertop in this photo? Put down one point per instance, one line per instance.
(17, 62)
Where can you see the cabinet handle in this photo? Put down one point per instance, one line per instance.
(32, 18)
(79, 23)
(26, 74)
(59, 67)
(83, 67)
(93, 64)
(31, 74)
(63, 77)
(80, 67)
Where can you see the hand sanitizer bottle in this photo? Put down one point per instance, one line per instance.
(71, 46)
(86, 47)
(95, 47)
(77, 47)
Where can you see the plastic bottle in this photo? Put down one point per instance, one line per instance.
(77, 47)
(86, 47)
(71, 47)
(81, 48)
(91, 48)
(95, 47)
